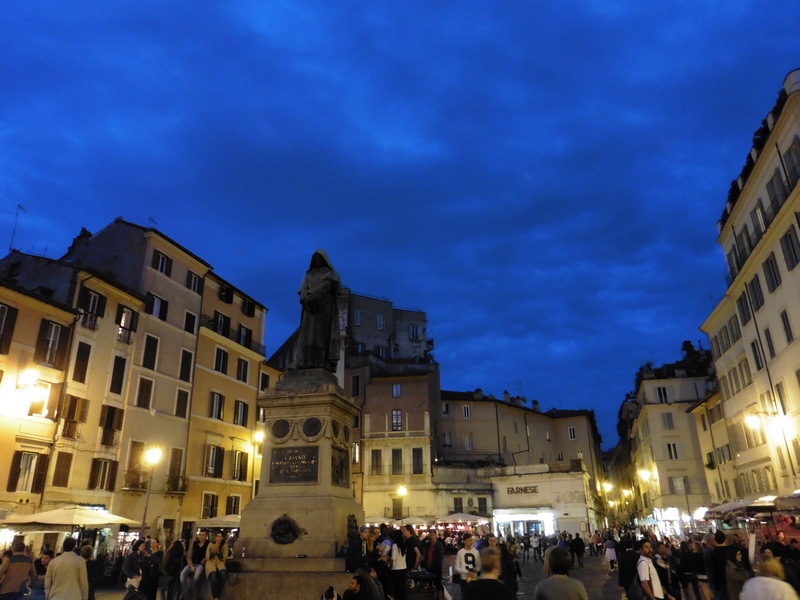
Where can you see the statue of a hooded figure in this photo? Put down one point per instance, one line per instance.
(318, 340)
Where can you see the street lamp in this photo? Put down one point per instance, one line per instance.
(607, 487)
(258, 439)
(151, 457)
(402, 491)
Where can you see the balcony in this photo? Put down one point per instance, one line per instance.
(90, 321)
(175, 485)
(210, 323)
(134, 481)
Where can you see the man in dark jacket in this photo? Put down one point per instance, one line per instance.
(578, 548)
(627, 560)
(432, 550)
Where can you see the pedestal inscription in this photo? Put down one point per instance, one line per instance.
(294, 465)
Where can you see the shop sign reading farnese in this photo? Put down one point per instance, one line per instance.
(527, 489)
(294, 465)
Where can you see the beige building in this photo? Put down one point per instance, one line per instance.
(230, 372)
(754, 328)
(158, 353)
(669, 479)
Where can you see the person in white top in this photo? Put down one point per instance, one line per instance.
(468, 562)
(651, 584)
(768, 584)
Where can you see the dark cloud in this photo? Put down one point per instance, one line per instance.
(544, 182)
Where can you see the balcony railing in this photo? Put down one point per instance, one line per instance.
(175, 484)
(135, 481)
(90, 321)
(211, 323)
(109, 437)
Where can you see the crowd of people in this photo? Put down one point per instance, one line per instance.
(147, 570)
(387, 562)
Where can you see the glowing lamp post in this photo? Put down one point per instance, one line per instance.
(151, 457)
(258, 439)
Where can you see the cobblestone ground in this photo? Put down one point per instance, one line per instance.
(600, 582)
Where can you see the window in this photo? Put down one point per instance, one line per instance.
(672, 451)
(216, 408)
(248, 307)
(103, 474)
(467, 411)
(376, 463)
(757, 358)
(150, 352)
(381, 323)
(413, 333)
(127, 319)
(357, 317)
(667, 421)
(467, 441)
(756, 295)
(744, 309)
(416, 461)
(117, 375)
(261, 414)
(772, 274)
(382, 351)
(744, 370)
(185, 373)
(704, 422)
(787, 327)
(194, 283)
(482, 506)
(81, 362)
(174, 470)
(446, 409)
(245, 336)
(559, 456)
(571, 433)
(93, 306)
(110, 424)
(182, 403)
(51, 345)
(240, 409)
(397, 419)
(397, 461)
(396, 390)
(783, 400)
(677, 485)
(226, 294)
(210, 502)
(232, 505)
(144, 393)
(75, 410)
(770, 345)
(239, 466)
(447, 439)
(162, 263)
(156, 306)
(221, 361)
(790, 245)
(215, 458)
(222, 324)
(264, 381)
(662, 395)
(242, 367)
(733, 327)
(355, 385)
(27, 473)
(189, 322)
(62, 469)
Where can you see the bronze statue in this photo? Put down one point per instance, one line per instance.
(318, 339)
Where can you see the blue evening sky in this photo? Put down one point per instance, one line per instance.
(542, 178)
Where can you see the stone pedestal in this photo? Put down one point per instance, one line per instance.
(291, 530)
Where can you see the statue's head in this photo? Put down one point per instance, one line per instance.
(320, 260)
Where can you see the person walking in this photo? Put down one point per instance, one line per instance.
(489, 584)
(578, 548)
(648, 576)
(66, 575)
(468, 563)
(171, 568)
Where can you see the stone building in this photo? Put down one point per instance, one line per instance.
(754, 328)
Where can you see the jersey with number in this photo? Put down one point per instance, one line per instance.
(467, 561)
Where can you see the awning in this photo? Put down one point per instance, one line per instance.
(67, 516)
(741, 508)
(221, 522)
(790, 502)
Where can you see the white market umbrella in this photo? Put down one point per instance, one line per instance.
(220, 522)
(415, 521)
(462, 518)
(379, 520)
(73, 516)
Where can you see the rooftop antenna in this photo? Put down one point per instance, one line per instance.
(152, 222)
(20, 207)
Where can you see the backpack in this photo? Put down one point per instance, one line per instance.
(635, 590)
